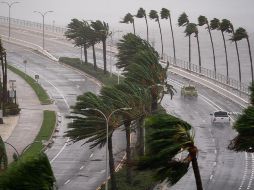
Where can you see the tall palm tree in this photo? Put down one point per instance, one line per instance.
(142, 14)
(191, 28)
(90, 126)
(202, 20)
(244, 141)
(102, 30)
(154, 16)
(4, 92)
(165, 14)
(128, 18)
(169, 137)
(76, 32)
(183, 21)
(240, 34)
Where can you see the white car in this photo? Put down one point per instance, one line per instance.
(220, 117)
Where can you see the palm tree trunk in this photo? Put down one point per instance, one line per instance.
(94, 58)
(250, 60)
(104, 56)
(199, 56)
(128, 150)
(141, 135)
(189, 52)
(133, 25)
(239, 63)
(162, 51)
(111, 164)
(214, 61)
(226, 54)
(147, 35)
(173, 39)
(193, 154)
(85, 53)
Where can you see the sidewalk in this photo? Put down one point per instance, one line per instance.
(21, 130)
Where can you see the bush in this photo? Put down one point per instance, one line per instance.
(11, 109)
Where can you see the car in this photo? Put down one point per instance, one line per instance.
(189, 91)
(220, 117)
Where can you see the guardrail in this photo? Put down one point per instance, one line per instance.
(30, 24)
(217, 77)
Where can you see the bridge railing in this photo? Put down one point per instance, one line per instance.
(217, 77)
(30, 24)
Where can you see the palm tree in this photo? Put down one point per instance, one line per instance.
(240, 34)
(183, 21)
(154, 16)
(128, 18)
(3, 156)
(202, 20)
(102, 31)
(191, 28)
(4, 75)
(237, 52)
(142, 14)
(89, 125)
(165, 14)
(169, 137)
(244, 141)
(75, 32)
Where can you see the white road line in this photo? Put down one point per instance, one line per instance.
(81, 167)
(68, 181)
(91, 155)
(65, 144)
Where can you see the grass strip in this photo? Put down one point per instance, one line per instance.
(40, 92)
(88, 68)
(46, 130)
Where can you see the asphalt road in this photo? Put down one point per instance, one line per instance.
(81, 168)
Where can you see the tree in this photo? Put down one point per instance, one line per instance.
(240, 34)
(237, 52)
(102, 31)
(165, 14)
(202, 20)
(76, 31)
(169, 137)
(90, 125)
(29, 173)
(128, 18)
(142, 14)
(191, 28)
(184, 21)
(244, 141)
(154, 16)
(3, 156)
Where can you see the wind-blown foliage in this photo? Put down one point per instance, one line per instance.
(29, 173)
(142, 14)
(169, 137)
(244, 125)
(3, 156)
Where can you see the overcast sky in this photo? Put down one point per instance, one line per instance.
(240, 12)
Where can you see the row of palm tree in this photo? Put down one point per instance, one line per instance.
(88, 35)
(225, 26)
(142, 90)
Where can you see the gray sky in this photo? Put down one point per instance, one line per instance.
(239, 12)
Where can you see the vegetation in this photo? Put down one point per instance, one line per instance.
(128, 18)
(142, 14)
(40, 92)
(3, 156)
(29, 173)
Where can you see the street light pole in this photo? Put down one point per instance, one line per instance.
(107, 121)
(43, 16)
(10, 5)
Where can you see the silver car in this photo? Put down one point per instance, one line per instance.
(220, 117)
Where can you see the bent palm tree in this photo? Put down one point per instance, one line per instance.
(142, 14)
(128, 18)
(202, 20)
(154, 16)
(240, 34)
(183, 21)
(170, 136)
(165, 14)
(102, 31)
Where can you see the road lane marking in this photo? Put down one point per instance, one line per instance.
(81, 167)
(68, 181)
(65, 144)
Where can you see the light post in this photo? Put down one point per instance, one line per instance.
(43, 16)
(107, 121)
(9, 5)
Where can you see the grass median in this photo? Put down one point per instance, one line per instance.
(40, 92)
